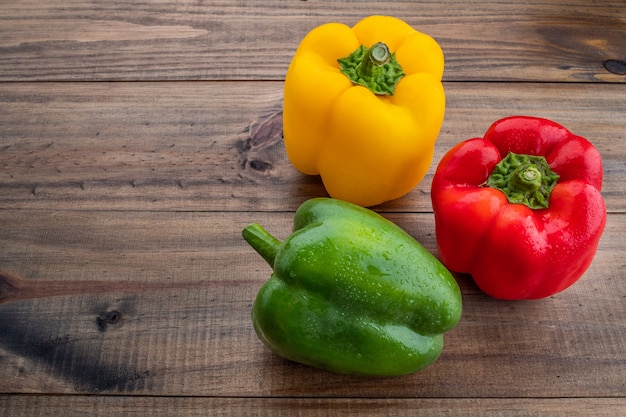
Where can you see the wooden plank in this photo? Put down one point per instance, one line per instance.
(158, 303)
(124, 281)
(78, 406)
(539, 40)
(218, 146)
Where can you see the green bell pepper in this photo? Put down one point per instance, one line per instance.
(352, 292)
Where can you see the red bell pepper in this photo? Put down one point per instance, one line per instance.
(520, 209)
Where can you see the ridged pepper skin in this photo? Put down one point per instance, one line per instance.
(511, 250)
(351, 292)
(367, 147)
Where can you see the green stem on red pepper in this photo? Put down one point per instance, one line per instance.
(524, 179)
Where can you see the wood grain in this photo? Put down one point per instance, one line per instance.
(75, 406)
(170, 316)
(208, 146)
(538, 40)
(138, 138)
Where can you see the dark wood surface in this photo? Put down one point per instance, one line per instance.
(137, 139)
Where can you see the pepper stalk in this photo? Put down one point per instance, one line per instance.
(375, 68)
(261, 241)
(524, 179)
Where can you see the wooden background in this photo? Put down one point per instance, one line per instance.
(137, 139)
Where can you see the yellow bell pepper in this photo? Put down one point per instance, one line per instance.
(363, 107)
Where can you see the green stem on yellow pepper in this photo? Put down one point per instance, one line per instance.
(375, 68)
(373, 60)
